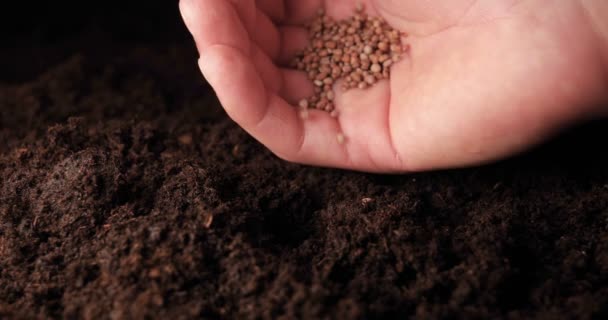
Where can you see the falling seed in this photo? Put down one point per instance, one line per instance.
(334, 113)
(304, 114)
(303, 104)
(340, 138)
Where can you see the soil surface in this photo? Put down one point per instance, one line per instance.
(126, 193)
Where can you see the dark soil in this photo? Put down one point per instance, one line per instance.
(126, 192)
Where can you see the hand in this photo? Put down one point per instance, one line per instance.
(482, 80)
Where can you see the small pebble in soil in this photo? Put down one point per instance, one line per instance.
(185, 139)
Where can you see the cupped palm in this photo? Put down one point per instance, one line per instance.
(482, 79)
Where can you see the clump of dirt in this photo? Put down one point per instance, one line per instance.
(127, 193)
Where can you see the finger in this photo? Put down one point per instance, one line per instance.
(274, 9)
(364, 116)
(261, 29)
(247, 11)
(269, 72)
(214, 22)
(298, 12)
(266, 35)
(267, 117)
(293, 40)
(296, 86)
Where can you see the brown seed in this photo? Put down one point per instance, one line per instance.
(359, 50)
(383, 46)
(321, 105)
(373, 58)
(365, 65)
(336, 72)
(376, 68)
(370, 79)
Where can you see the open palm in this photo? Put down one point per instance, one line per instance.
(482, 80)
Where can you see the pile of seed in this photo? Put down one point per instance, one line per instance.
(359, 50)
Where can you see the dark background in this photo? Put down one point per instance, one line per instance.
(38, 34)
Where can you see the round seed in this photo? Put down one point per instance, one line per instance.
(303, 104)
(383, 46)
(375, 68)
(370, 79)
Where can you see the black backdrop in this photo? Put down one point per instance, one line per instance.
(47, 21)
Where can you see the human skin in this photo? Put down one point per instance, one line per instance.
(482, 80)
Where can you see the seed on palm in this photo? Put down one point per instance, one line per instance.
(359, 50)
